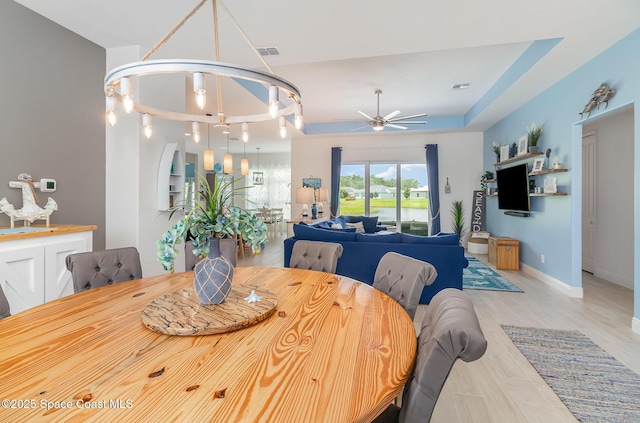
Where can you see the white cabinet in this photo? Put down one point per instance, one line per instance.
(170, 177)
(33, 270)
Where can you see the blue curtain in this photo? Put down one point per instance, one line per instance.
(433, 186)
(336, 163)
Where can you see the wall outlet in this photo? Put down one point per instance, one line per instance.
(542, 258)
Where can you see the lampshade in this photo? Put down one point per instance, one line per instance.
(208, 159)
(228, 163)
(322, 195)
(244, 167)
(304, 195)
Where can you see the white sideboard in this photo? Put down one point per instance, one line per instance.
(32, 264)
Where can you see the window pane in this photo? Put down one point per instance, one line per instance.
(352, 190)
(414, 211)
(382, 192)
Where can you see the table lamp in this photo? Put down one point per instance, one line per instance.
(304, 196)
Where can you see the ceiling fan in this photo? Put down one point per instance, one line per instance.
(378, 122)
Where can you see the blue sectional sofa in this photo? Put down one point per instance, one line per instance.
(362, 252)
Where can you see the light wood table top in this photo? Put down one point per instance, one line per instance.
(53, 229)
(336, 350)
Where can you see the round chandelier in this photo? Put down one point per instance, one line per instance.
(119, 87)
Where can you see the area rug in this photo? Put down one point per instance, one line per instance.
(593, 385)
(478, 276)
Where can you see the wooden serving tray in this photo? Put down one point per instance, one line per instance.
(181, 312)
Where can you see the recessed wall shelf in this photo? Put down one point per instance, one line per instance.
(545, 171)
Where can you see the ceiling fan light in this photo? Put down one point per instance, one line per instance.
(112, 116)
(378, 126)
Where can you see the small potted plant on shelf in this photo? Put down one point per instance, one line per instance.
(488, 175)
(533, 134)
(496, 150)
(212, 218)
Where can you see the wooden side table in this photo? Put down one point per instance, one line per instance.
(504, 253)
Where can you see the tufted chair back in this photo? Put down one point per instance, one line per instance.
(402, 278)
(450, 330)
(4, 305)
(315, 255)
(99, 268)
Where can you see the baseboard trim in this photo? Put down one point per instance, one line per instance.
(635, 325)
(571, 291)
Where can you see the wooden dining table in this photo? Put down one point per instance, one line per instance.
(334, 350)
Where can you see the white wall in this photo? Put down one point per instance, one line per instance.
(614, 197)
(459, 157)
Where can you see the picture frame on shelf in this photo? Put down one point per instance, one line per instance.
(504, 153)
(538, 165)
(522, 145)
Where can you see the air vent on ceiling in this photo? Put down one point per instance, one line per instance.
(461, 86)
(268, 51)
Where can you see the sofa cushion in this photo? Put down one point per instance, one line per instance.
(370, 222)
(317, 234)
(358, 227)
(389, 237)
(444, 239)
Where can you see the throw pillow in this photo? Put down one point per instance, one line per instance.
(336, 226)
(370, 222)
(316, 234)
(358, 225)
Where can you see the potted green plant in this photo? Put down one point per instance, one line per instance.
(496, 150)
(211, 217)
(457, 215)
(487, 176)
(533, 134)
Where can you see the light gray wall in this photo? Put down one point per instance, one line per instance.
(614, 197)
(51, 119)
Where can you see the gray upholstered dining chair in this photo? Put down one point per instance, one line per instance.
(450, 330)
(5, 310)
(99, 268)
(402, 278)
(315, 255)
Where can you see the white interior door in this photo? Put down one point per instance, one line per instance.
(588, 201)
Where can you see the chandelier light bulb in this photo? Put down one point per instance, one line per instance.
(146, 124)
(112, 116)
(245, 132)
(196, 132)
(298, 116)
(283, 127)
(199, 90)
(274, 102)
(126, 91)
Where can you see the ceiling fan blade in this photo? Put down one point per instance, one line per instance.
(362, 127)
(408, 117)
(391, 115)
(365, 115)
(422, 122)
(396, 126)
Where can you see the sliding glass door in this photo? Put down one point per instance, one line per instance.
(395, 192)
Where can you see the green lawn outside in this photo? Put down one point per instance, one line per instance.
(356, 207)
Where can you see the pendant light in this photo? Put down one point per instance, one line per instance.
(208, 153)
(244, 163)
(258, 177)
(228, 160)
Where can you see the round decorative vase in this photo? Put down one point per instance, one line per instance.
(212, 276)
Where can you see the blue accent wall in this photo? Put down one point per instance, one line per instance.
(555, 225)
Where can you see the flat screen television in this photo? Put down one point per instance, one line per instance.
(513, 188)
